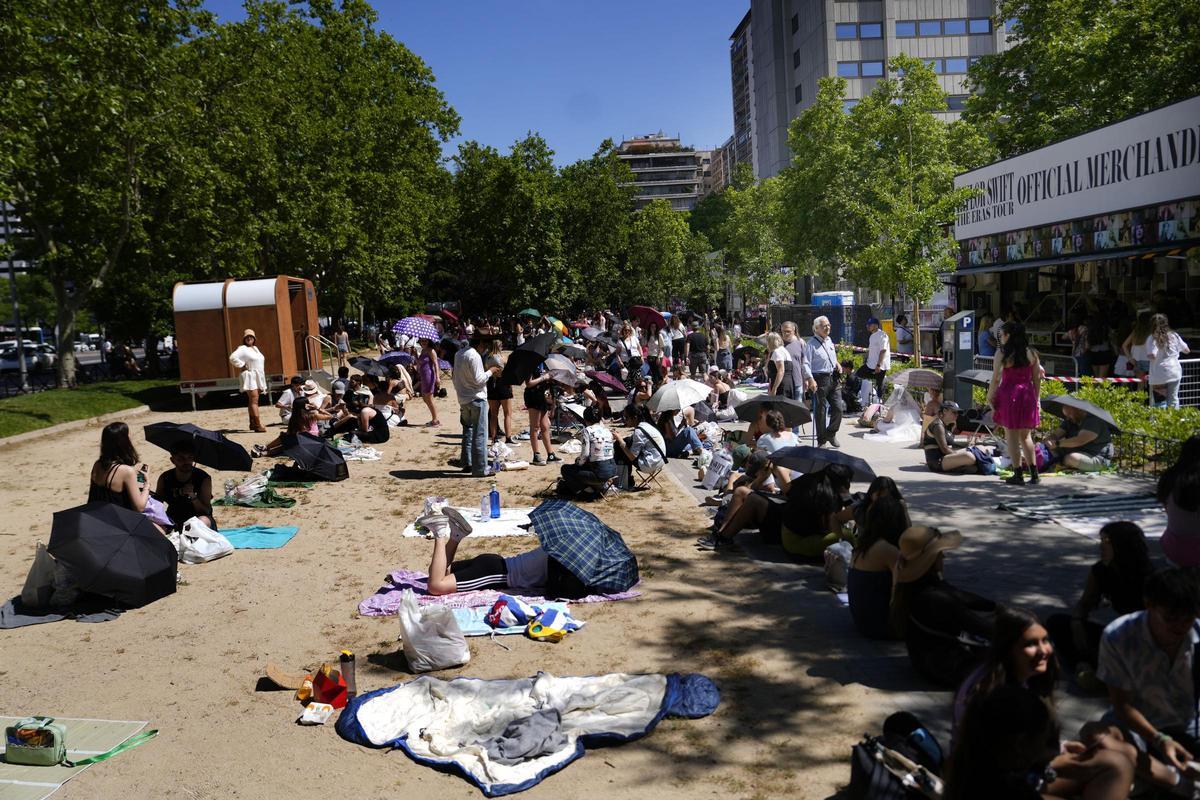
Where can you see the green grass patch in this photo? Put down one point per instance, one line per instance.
(31, 412)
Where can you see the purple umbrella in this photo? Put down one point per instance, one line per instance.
(417, 328)
(606, 379)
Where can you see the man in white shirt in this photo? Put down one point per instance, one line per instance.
(879, 358)
(287, 397)
(470, 385)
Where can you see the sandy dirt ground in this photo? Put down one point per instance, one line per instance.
(189, 663)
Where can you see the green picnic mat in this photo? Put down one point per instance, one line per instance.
(291, 484)
(85, 738)
(1007, 472)
(268, 499)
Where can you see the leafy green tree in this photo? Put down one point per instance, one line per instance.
(1074, 65)
(597, 207)
(92, 100)
(752, 245)
(658, 256)
(874, 188)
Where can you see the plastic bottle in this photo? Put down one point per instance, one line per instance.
(230, 485)
(494, 502)
(346, 664)
(485, 507)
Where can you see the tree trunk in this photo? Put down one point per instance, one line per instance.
(916, 329)
(65, 323)
(153, 366)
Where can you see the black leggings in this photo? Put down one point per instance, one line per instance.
(486, 571)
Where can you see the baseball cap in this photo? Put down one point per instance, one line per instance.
(872, 321)
(950, 405)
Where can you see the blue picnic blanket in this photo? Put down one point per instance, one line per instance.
(259, 537)
(472, 622)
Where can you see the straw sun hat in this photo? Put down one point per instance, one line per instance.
(920, 546)
(247, 333)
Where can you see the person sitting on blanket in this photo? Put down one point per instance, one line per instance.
(484, 571)
(304, 419)
(186, 490)
(1080, 442)
(361, 417)
(940, 456)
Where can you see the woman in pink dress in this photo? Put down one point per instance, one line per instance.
(1014, 397)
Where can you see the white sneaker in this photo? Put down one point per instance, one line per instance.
(438, 525)
(434, 505)
(459, 527)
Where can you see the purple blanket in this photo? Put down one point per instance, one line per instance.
(386, 602)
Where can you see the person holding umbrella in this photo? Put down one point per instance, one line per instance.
(1081, 441)
(186, 489)
(250, 360)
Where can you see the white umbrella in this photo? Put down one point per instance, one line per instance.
(678, 395)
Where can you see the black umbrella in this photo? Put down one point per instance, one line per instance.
(210, 448)
(1054, 404)
(369, 366)
(114, 552)
(314, 454)
(592, 334)
(805, 458)
(449, 348)
(794, 412)
(741, 352)
(976, 377)
(400, 357)
(572, 351)
(526, 358)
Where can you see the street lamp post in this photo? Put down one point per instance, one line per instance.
(6, 229)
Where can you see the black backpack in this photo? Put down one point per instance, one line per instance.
(879, 764)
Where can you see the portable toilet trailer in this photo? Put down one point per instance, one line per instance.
(211, 317)
(839, 307)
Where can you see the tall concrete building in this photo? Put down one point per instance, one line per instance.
(663, 169)
(741, 73)
(795, 43)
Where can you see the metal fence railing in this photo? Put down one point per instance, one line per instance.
(43, 379)
(1189, 386)
(1142, 455)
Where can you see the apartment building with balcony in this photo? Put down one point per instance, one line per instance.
(795, 43)
(741, 74)
(664, 169)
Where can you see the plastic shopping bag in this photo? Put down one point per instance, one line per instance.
(199, 543)
(432, 639)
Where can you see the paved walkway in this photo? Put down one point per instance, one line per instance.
(1038, 566)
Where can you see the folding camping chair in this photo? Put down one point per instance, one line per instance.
(646, 478)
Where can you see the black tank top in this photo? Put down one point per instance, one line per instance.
(179, 508)
(103, 494)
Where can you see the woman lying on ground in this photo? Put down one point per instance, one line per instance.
(1117, 577)
(485, 571)
(869, 581)
(1022, 657)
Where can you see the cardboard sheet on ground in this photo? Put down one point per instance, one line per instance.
(85, 738)
(508, 524)
(1086, 514)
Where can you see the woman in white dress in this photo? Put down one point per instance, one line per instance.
(250, 360)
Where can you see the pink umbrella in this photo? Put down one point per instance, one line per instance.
(606, 379)
(648, 316)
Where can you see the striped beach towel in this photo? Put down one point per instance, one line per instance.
(1086, 514)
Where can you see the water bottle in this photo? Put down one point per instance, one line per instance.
(346, 664)
(494, 502)
(230, 484)
(485, 507)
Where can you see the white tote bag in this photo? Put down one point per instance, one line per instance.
(430, 636)
(199, 543)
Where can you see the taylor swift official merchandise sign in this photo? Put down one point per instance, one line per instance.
(1151, 158)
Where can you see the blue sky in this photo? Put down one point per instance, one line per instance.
(575, 72)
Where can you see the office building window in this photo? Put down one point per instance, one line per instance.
(795, 59)
(956, 102)
(799, 94)
(981, 26)
(872, 69)
(955, 66)
(846, 30)
(795, 22)
(906, 30)
(954, 27)
(935, 64)
(870, 30)
(848, 69)
(849, 104)
(930, 27)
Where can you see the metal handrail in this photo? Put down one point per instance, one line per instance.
(324, 346)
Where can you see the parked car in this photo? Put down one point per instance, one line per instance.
(47, 355)
(8, 360)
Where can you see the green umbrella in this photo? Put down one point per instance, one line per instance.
(531, 312)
